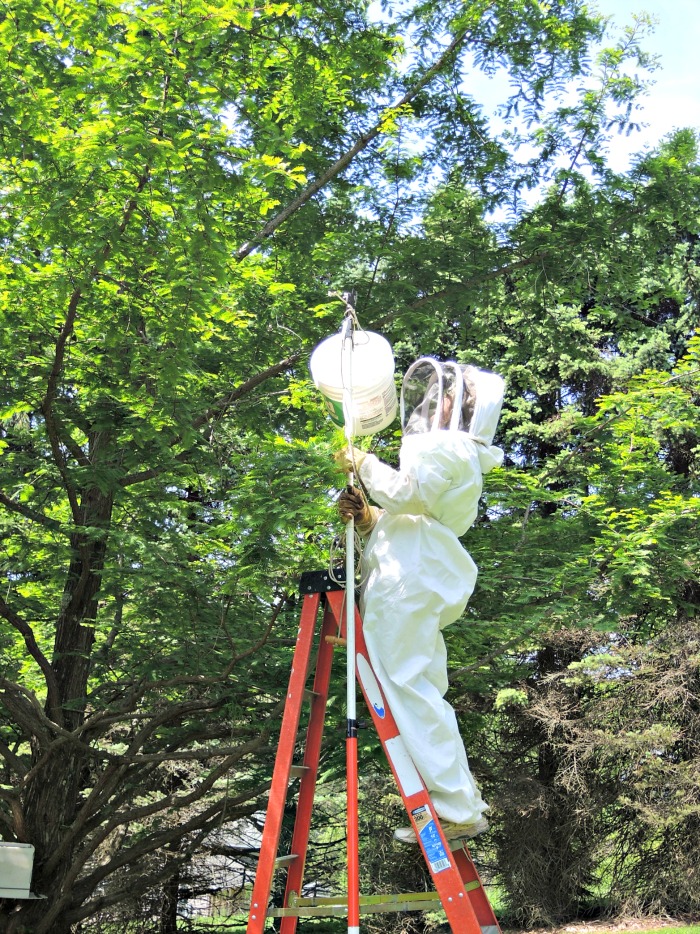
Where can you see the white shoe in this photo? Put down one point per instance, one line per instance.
(405, 835)
(453, 832)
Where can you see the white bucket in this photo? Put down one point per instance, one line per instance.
(373, 391)
(16, 862)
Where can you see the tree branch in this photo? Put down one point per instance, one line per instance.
(17, 823)
(202, 824)
(347, 157)
(501, 650)
(216, 411)
(476, 280)
(12, 759)
(182, 680)
(220, 407)
(26, 710)
(155, 841)
(28, 513)
(116, 776)
(27, 633)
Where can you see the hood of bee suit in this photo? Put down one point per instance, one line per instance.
(487, 392)
(438, 396)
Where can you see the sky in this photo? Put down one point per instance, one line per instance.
(674, 100)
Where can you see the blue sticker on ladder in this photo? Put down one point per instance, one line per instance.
(435, 852)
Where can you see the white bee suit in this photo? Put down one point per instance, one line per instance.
(419, 581)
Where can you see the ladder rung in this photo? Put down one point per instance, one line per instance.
(298, 771)
(310, 695)
(388, 899)
(283, 861)
(337, 906)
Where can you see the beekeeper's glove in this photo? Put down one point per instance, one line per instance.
(353, 505)
(349, 459)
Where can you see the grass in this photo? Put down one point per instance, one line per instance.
(683, 929)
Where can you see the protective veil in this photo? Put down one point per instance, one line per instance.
(419, 576)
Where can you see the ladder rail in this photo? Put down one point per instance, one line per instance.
(283, 764)
(312, 752)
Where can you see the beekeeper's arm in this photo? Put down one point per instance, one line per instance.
(399, 492)
(425, 488)
(418, 491)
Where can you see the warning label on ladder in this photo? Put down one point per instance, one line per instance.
(430, 838)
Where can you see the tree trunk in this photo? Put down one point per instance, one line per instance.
(52, 798)
(168, 910)
(75, 632)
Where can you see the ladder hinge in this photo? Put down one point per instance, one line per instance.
(321, 581)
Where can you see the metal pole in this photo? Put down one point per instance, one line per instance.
(351, 703)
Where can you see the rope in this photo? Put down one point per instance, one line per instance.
(336, 555)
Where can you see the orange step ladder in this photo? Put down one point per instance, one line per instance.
(457, 884)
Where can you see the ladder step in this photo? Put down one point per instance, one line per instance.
(337, 905)
(310, 695)
(283, 861)
(299, 771)
(332, 906)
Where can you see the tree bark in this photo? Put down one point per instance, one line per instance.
(168, 909)
(52, 797)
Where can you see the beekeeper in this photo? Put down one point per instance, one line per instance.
(419, 575)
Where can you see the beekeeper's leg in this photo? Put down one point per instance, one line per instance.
(407, 651)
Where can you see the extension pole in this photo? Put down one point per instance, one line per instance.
(351, 704)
